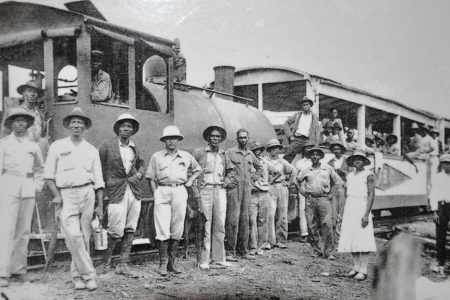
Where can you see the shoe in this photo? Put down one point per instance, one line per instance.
(4, 281)
(303, 239)
(231, 258)
(124, 269)
(266, 246)
(204, 266)
(91, 284)
(352, 273)
(281, 245)
(79, 283)
(224, 264)
(252, 252)
(361, 276)
(331, 257)
(248, 256)
(260, 252)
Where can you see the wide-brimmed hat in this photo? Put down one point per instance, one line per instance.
(392, 136)
(126, 117)
(315, 149)
(171, 131)
(208, 131)
(255, 146)
(261, 185)
(445, 158)
(432, 129)
(16, 112)
(306, 99)
(337, 125)
(337, 143)
(414, 126)
(358, 154)
(79, 113)
(34, 84)
(306, 147)
(274, 143)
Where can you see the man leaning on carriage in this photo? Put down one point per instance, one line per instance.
(243, 191)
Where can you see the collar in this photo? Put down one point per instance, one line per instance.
(321, 166)
(130, 144)
(168, 153)
(243, 152)
(208, 149)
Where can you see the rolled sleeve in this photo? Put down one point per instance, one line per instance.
(50, 164)
(97, 172)
(195, 167)
(151, 173)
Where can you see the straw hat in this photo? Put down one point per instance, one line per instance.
(358, 154)
(208, 131)
(34, 84)
(273, 143)
(16, 112)
(171, 131)
(337, 143)
(256, 146)
(79, 113)
(126, 117)
(445, 158)
(315, 149)
(306, 99)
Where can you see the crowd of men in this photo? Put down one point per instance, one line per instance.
(243, 191)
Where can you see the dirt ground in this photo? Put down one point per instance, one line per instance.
(280, 274)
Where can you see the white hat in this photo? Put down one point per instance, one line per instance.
(171, 130)
(126, 117)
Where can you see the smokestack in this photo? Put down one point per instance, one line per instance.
(224, 80)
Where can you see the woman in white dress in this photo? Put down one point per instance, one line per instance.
(357, 235)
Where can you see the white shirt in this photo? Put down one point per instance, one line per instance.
(439, 189)
(127, 154)
(303, 164)
(435, 144)
(304, 124)
(214, 169)
(73, 165)
(338, 163)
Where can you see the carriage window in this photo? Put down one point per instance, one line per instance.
(67, 83)
(151, 93)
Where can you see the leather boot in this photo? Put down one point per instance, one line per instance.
(125, 250)
(163, 259)
(106, 262)
(173, 249)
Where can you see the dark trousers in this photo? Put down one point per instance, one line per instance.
(295, 147)
(318, 212)
(237, 224)
(441, 231)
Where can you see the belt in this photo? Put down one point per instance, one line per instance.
(74, 186)
(318, 196)
(301, 137)
(213, 184)
(170, 184)
(17, 173)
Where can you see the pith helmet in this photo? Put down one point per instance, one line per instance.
(126, 117)
(170, 131)
(79, 113)
(337, 143)
(306, 99)
(255, 146)
(445, 158)
(360, 154)
(208, 131)
(34, 84)
(18, 111)
(414, 126)
(316, 149)
(274, 143)
(306, 147)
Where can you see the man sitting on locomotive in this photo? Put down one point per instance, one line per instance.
(101, 89)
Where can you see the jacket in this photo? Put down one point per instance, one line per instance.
(114, 175)
(291, 124)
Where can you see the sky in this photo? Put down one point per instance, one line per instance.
(396, 49)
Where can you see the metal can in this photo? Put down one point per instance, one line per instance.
(101, 239)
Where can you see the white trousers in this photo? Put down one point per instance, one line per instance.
(16, 214)
(169, 212)
(123, 215)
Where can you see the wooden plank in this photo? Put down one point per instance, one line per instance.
(50, 80)
(132, 76)
(84, 66)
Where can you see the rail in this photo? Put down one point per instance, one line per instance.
(212, 91)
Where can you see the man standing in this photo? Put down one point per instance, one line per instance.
(318, 179)
(21, 166)
(73, 173)
(123, 168)
(168, 178)
(217, 176)
(101, 89)
(259, 204)
(339, 164)
(278, 217)
(301, 128)
(248, 169)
